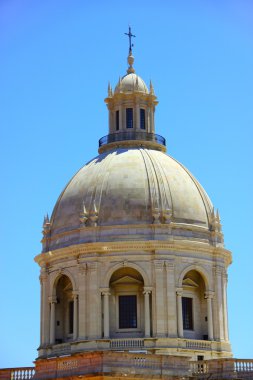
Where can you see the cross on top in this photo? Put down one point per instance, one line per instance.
(130, 35)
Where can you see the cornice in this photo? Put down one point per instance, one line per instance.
(103, 248)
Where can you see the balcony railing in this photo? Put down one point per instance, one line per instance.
(134, 364)
(123, 344)
(131, 135)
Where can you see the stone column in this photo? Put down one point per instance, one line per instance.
(93, 302)
(209, 297)
(219, 320)
(82, 308)
(52, 301)
(137, 117)
(106, 294)
(75, 319)
(146, 293)
(121, 119)
(180, 329)
(171, 299)
(225, 308)
(159, 297)
(44, 308)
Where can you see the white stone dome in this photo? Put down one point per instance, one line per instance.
(134, 187)
(131, 83)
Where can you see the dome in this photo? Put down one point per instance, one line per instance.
(129, 187)
(131, 83)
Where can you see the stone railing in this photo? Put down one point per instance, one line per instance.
(135, 365)
(223, 369)
(198, 344)
(22, 373)
(117, 344)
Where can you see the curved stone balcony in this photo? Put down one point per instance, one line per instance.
(133, 136)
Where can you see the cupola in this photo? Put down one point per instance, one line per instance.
(131, 109)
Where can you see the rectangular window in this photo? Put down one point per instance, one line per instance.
(127, 312)
(117, 120)
(187, 313)
(142, 119)
(129, 117)
(71, 317)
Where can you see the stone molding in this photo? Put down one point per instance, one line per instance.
(129, 246)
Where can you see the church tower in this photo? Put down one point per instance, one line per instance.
(133, 257)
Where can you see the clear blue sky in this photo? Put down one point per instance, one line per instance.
(56, 60)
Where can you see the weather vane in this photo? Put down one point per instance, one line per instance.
(130, 35)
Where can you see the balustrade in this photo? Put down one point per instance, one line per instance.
(25, 373)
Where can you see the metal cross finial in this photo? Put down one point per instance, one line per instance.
(130, 35)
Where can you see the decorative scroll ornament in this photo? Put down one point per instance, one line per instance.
(156, 216)
(83, 216)
(166, 216)
(216, 228)
(93, 216)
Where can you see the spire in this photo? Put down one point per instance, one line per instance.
(109, 90)
(46, 225)
(130, 58)
(130, 35)
(151, 88)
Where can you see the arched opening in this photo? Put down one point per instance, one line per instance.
(194, 306)
(64, 310)
(126, 304)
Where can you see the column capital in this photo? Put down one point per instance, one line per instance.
(169, 265)
(147, 290)
(179, 292)
(105, 291)
(75, 294)
(52, 299)
(159, 264)
(209, 294)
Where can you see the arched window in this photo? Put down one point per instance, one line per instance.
(126, 303)
(129, 118)
(117, 120)
(142, 119)
(64, 310)
(194, 306)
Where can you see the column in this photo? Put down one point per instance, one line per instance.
(146, 293)
(82, 294)
(45, 310)
(180, 329)
(106, 294)
(171, 299)
(209, 297)
(75, 319)
(225, 307)
(159, 298)
(121, 118)
(52, 301)
(219, 320)
(93, 302)
(137, 117)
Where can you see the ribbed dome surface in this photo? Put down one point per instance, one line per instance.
(126, 186)
(131, 83)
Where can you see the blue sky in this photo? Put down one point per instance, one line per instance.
(56, 60)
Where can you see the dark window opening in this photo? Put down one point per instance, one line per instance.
(129, 117)
(187, 313)
(117, 120)
(71, 317)
(142, 119)
(127, 312)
